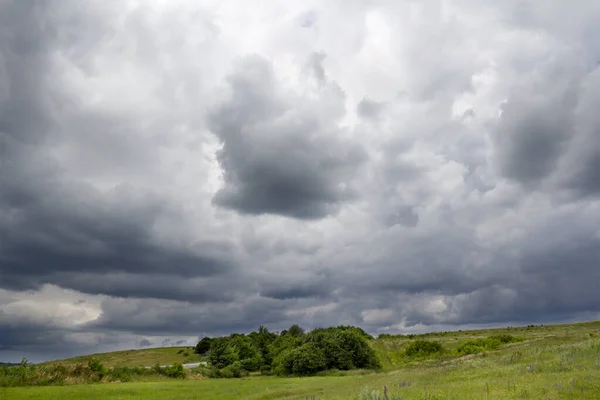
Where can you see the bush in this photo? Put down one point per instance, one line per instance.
(234, 370)
(340, 348)
(207, 371)
(468, 348)
(157, 368)
(97, 367)
(282, 363)
(307, 359)
(127, 374)
(505, 338)
(174, 371)
(475, 346)
(225, 351)
(423, 348)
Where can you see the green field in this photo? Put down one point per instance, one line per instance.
(552, 362)
(139, 358)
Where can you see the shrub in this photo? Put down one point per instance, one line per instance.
(207, 371)
(505, 338)
(174, 371)
(467, 348)
(157, 368)
(423, 348)
(340, 348)
(97, 367)
(234, 370)
(307, 359)
(127, 374)
(283, 363)
(475, 346)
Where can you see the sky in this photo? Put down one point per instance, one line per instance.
(175, 169)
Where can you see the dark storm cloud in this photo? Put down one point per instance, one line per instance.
(167, 284)
(24, 50)
(42, 342)
(54, 228)
(549, 132)
(159, 317)
(534, 139)
(40, 338)
(549, 286)
(75, 229)
(583, 160)
(317, 287)
(280, 154)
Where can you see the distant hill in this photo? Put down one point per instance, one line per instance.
(389, 348)
(139, 358)
(3, 364)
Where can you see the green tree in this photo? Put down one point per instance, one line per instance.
(306, 360)
(281, 344)
(222, 353)
(203, 345)
(261, 340)
(295, 330)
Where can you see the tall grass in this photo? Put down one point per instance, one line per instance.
(27, 374)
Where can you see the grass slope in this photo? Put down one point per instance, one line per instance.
(552, 362)
(138, 358)
(390, 351)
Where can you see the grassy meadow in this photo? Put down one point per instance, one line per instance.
(139, 358)
(548, 362)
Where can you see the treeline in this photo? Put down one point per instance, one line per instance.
(291, 352)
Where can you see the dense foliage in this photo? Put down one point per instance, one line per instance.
(203, 346)
(291, 352)
(423, 348)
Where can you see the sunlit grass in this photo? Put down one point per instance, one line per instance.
(140, 358)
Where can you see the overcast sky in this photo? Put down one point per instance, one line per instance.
(172, 169)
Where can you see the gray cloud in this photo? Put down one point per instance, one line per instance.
(54, 226)
(166, 174)
(369, 109)
(281, 153)
(77, 230)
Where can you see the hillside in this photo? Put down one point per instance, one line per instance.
(547, 362)
(138, 358)
(389, 348)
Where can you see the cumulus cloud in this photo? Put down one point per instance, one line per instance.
(283, 153)
(170, 170)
